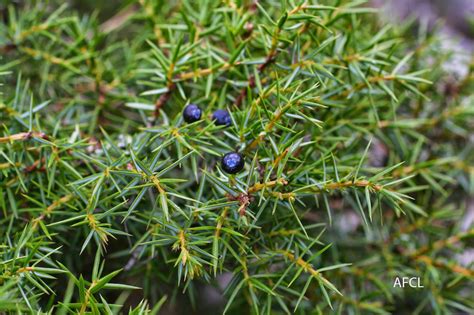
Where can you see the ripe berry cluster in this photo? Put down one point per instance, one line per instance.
(232, 162)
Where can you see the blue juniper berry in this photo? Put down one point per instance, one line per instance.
(192, 113)
(221, 117)
(232, 162)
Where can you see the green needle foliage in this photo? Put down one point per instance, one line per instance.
(357, 141)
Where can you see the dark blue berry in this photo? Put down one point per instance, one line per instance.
(192, 113)
(221, 117)
(232, 162)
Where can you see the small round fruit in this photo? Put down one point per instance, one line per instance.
(221, 117)
(232, 162)
(192, 113)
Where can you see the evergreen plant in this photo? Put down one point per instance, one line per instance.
(349, 160)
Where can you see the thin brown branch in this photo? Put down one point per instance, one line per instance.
(360, 183)
(269, 59)
(118, 19)
(451, 267)
(161, 101)
(260, 186)
(56, 204)
(23, 136)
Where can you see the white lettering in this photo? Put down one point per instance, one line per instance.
(397, 283)
(413, 282)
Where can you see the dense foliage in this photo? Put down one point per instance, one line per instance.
(358, 160)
